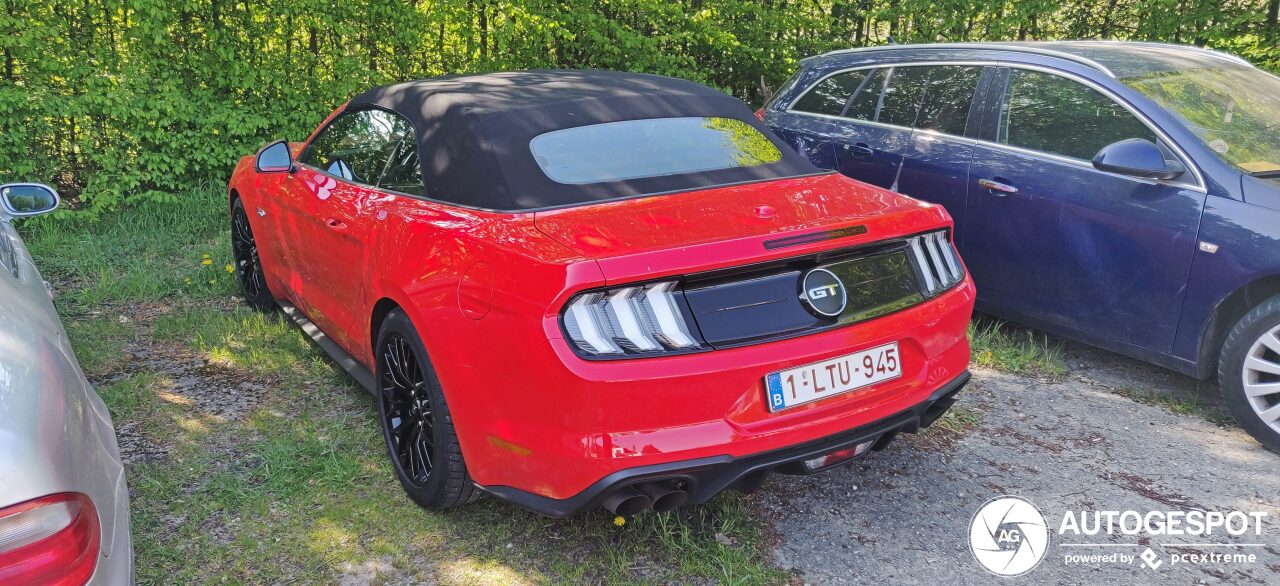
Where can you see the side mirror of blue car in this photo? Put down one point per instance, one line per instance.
(1137, 157)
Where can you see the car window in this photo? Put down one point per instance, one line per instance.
(652, 147)
(403, 172)
(364, 146)
(1053, 114)
(947, 98)
(902, 95)
(831, 94)
(864, 105)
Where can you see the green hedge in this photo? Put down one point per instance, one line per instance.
(117, 100)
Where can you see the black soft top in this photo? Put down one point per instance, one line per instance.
(473, 132)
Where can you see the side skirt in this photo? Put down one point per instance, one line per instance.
(348, 362)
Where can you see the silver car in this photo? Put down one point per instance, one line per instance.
(64, 506)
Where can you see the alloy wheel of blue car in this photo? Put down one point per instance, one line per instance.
(1262, 378)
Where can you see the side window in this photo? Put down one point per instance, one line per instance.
(948, 97)
(902, 96)
(403, 172)
(831, 94)
(1053, 114)
(372, 147)
(864, 105)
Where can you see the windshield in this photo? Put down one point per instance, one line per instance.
(1235, 110)
(633, 149)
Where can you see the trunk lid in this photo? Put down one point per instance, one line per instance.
(735, 225)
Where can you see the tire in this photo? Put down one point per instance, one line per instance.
(247, 262)
(410, 398)
(1249, 364)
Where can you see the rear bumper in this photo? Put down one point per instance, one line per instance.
(704, 478)
(552, 424)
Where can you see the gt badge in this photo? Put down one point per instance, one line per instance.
(823, 293)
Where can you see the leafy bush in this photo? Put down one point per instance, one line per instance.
(117, 100)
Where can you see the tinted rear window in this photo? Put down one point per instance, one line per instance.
(655, 147)
(830, 96)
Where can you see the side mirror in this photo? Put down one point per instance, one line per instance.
(22, 200)
(275, 158)
(1137, 157)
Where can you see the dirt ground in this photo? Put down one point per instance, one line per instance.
(1109, 434)
(1079, 442)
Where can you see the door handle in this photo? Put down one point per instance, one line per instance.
(859, 150)
(997, 188)
(335, 224)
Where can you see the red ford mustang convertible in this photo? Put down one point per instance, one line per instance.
(572, 289)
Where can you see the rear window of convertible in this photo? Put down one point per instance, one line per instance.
(655, 147)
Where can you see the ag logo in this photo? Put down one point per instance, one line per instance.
(823, 293)
(1008, 536)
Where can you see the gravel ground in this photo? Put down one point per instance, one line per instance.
(1074, 443)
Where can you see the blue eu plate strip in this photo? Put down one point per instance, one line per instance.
(773, 382)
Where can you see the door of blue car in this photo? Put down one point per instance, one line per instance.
(1052, 238)
(935, 163)
(877, 126)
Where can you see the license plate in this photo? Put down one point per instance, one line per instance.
(803, 384)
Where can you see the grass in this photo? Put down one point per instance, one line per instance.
(138, 254)
(1000, 346)
(265, 464)
(128, 396)
(268, 463)
(959, 419)
(1180, 405)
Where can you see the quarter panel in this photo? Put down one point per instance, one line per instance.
(420, 251)
(808, 135)
(55, 434)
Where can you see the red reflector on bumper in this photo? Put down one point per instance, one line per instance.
(837, 456)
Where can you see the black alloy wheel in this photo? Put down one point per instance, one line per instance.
(248, 264)
(406, 410)
(416, 423)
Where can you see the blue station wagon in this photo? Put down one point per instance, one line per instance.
(1123, 194)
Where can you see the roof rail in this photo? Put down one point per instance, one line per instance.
(1087, 62)
(1210, 52)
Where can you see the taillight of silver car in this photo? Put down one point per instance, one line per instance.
(638, 320)
(49, 540)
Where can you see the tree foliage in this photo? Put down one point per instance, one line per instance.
(123, 99)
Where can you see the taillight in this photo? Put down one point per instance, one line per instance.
(760, 114)
(637, 320)
(939, 265)
(49, 540)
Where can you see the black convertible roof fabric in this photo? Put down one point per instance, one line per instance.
(473, 132)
